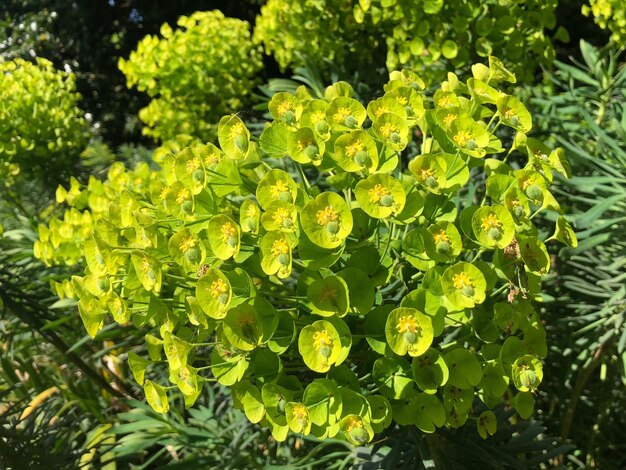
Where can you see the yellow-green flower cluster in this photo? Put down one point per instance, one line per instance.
(42, 130)
(609, 14)
(326, 270)
(430, 36)
(193, 75)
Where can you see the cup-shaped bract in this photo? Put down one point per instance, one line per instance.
(408, 331)
(464, 285)
(380, 195)
(276, 186)
(327, 220)
(493, 226)
(214, 293)
(319, 345)
(224, 236)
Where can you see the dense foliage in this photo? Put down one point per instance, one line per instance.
(42, 131)
(429, 37)
(193, 74)
(282, 289)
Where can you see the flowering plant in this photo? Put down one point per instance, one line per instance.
(332, 279)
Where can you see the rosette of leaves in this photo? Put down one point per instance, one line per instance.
(193, 75)
(608, 14)
(332, 299)
(42, 129)
(430, 36)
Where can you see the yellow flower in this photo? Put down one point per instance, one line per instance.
(251, 212)
(280, 247)
(403, 100)
(461, 138)
(322, 339)
(192, 165)
(354, 148)
(508, 113)
(425, 174)
(449, 119)
(237, 130)
(462, 280)
(228, 230)
(283, 107)
(354, 422)
(377, 193)
(490, 221)
(381, 110)
(387, 129)
(211, 159)
(182, 196)
(164, 193)
(318, 116)
(441, 236)
(281, 215)
(187, 244)
(341, 114)
(218, 287)
(407, 323)
(277, 189)
(326, 215)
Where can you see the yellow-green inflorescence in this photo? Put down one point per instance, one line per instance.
(340, 290)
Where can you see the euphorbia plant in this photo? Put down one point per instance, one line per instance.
(338, 272)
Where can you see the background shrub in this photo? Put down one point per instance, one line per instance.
(429, 37)
(193, 74)
(42, 130)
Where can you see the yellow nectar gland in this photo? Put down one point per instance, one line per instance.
(407, 323)
(377, 193)
(425, 174)
(283, 107)
(444, 101)
(277, 189)
(182, 196)
(527, 182)
(164, 193)
(192, 165)
(508, 113)
(381, 110)
(403, 100)
(187, 244)
(218, 287)
(490, 221)
(251, 212)
(354, 148)
(300, 412)
(449, 119)
(461, 138)
(322, 339)
(280, 247)
(354, 422)
(387, 129)
(318, 116)
(441, 236)
(237, 130)
(228, 230)
(341, 114)
(462, 280)
(211, 159)
(326, 215)
(280, 215)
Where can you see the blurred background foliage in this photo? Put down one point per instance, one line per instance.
(66, 401)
